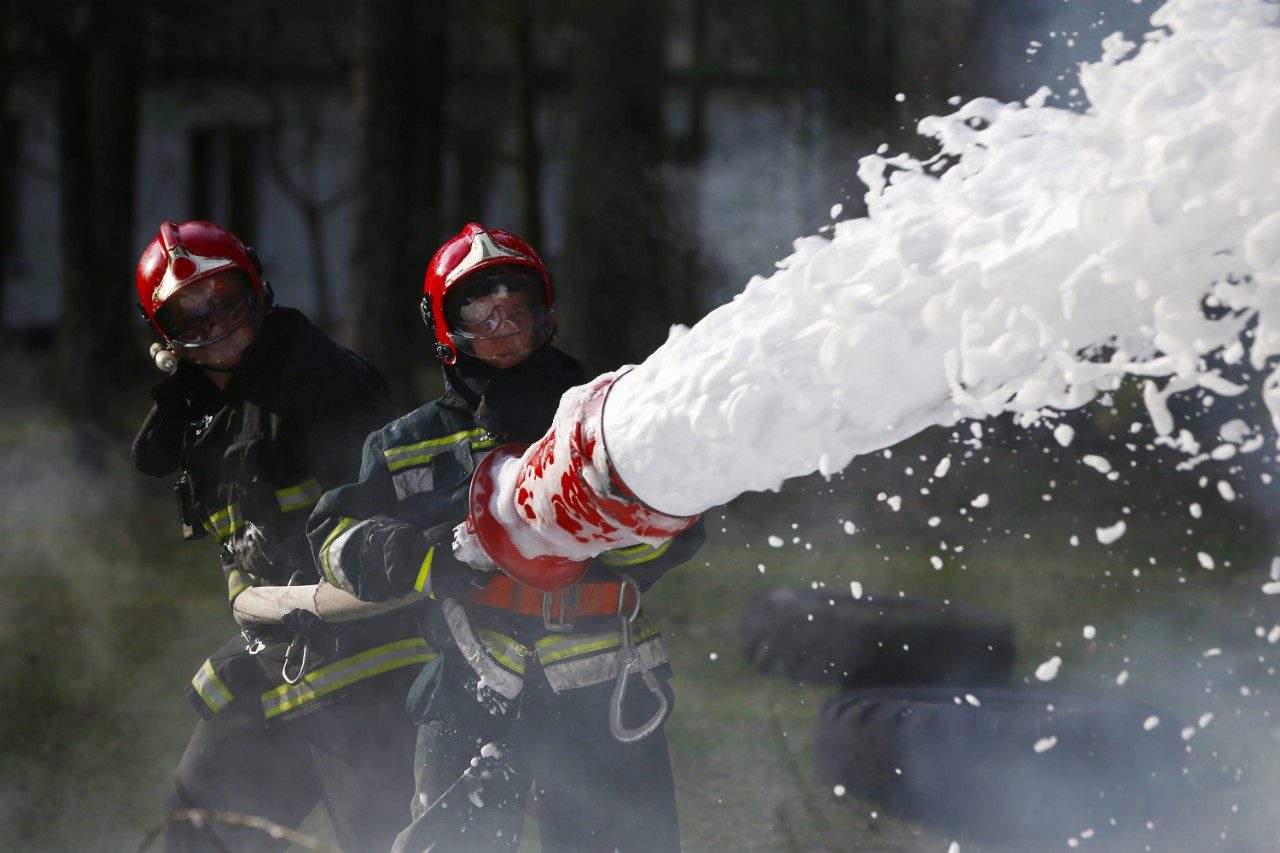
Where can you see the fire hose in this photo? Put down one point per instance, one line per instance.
(260, 606)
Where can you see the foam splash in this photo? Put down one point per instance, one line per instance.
(1040, 259)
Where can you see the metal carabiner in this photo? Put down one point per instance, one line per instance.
(302, 665)
(629, 662)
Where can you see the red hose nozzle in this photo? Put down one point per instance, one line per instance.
(566, 500)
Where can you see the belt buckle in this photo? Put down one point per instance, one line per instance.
(569, 600)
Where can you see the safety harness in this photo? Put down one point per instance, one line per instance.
(580, 659)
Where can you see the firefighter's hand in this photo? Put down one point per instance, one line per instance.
(173, 395)
(397, 558)
(307, 625)
(251, 551)
(447, 576)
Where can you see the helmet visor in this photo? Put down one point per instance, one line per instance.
(500, 318)
(209, 310)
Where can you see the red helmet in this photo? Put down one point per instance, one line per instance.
(189, 252)
(475, 250)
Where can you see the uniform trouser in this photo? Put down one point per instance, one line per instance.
(355, 755)
(591, 792)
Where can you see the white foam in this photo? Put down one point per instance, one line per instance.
(1063, 252)
(1107, 535)
(1048, 670)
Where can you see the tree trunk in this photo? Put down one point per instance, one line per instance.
(399, 91)
(528, 154)
(9, 141)
(616, 303)
(114, 90)
(97, 111)
(78, 343)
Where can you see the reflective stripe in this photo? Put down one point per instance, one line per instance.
(331, 552)
(593, 669)
(476, 654)
(224, 522)
(424, 573)
(407, 455)
(237, 582)
(415, 481)
(211, 689)
(348, 671)
(506, 651)
(635, 555)
(300, 496)
(557, 648)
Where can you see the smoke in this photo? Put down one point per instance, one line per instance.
(96, 631)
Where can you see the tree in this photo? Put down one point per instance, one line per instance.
(301, 192)
(399, 83)
(525, 98)
(8, 148)
(619, 278)
(97, 114)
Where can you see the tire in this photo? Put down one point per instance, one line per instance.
(918, 753)
(828, 636)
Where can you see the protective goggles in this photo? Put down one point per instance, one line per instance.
(209, 310)
(498, 308)
(500, 327)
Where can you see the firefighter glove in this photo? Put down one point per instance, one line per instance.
(398, 558)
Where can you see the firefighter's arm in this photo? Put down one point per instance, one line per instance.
(361, 548)
(647, 563)
(326, 446)
(157, 448)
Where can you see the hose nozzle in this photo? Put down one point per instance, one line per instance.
(164, 358)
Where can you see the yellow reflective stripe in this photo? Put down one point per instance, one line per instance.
(504, 650)
(237, 582)
(476, 654)
(635, 555)
(211, 689)
(300, 496)
(224, 522)
(348, 671)
(425, 572)
(552, 649)
(343, 524)
(406, 455)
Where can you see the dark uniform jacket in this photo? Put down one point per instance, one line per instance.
(254, 459)
(417, 470)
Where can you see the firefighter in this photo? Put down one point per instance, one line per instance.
(520, 693)
(263, 414)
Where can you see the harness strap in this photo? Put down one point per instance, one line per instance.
(594, 599)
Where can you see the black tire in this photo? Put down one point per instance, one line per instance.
(828, 636)
(918, 753)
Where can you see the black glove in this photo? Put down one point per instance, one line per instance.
(251, 552)
(316, 635)
(157, 449)
(173, 394)
(305, 624)
(391, 559)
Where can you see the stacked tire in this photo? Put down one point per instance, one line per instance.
(827, 636)
(1002, 762)
(929, 728)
